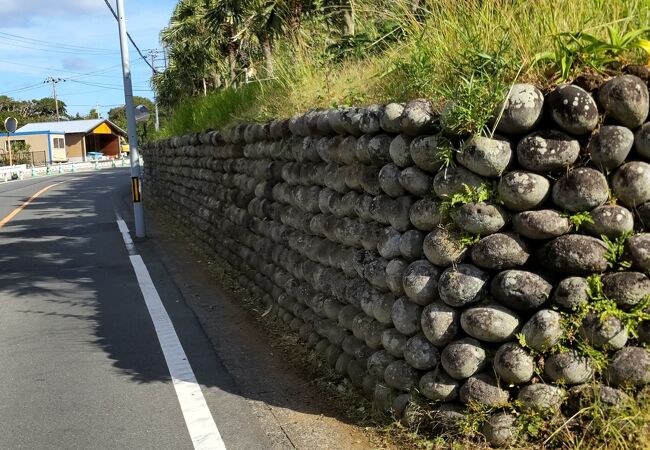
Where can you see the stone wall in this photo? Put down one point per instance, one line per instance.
(430, 266)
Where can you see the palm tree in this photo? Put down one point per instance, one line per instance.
(193, 50)
(224, 19)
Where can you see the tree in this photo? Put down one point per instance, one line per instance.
(92, 114)
(208, 41)
(47, 107)
(118, 117)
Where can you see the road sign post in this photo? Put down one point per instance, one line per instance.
(138, 210)
(11, 125)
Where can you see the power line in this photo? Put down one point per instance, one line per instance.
(55, 44)
(106, 86)
(129, 36)
(25, 88)
(53, 49)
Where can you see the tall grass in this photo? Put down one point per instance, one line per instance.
(431, 59)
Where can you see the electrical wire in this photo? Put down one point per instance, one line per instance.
(130, 38)
(54, 44)
(52, 50)
(25, 88)
(106, 86)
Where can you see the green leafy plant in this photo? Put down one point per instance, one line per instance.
(446, 152)
(577, 52)
(616, 252)
(579, 219)
(468, 239)
(472, 194)
(605, 307)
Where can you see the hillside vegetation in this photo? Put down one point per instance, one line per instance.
(259, 59)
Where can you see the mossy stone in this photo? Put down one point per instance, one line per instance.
(574, 254)
(490, 323)
(399, 151)
(500, 430)
(406, 316)
(420, 353)
(463, 284)
(568, 367)
(521, 191)
(440, 323)
(522, 110)
(610, 220)
(483, 389)
(513, 364)
(520, 290)
(541, 224)
(436, 385)
(500, 251)
(547, 150)
(389, 180)
(631, 183)
(443, 248)
(543, 330)
(416, 181)
(463, 358)
(638, 249)
(571, 292)
(400, 375)
(625, 100)
(480, 218)
(642, 140)
(488, 157)
(581, 189)
(454, 180)
(426, 214)
(540, 397)
(425, 152)
(572, 109)
(629, 366)
(420, 282)
(626, 288)
(394, 342)
(609, 333)
(609, 146)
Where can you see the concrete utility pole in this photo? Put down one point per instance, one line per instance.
(54, 81)
(153, 54)
(138, 210)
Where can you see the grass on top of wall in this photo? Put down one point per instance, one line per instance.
(467, 51)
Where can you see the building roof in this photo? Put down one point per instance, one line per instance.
(68, 126)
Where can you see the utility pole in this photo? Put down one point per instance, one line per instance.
(54, 81)
(153, 54)
(97, 110)
(138, 210)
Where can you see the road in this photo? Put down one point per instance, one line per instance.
(81, 364)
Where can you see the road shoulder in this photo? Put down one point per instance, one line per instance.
(286, 399)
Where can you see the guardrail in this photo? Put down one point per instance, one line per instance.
(8, 173)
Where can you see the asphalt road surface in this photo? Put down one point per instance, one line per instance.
(81, 364)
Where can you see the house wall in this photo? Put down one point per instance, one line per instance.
(75, 147)
(39, 147)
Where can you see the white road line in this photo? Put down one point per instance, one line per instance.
(199, 420)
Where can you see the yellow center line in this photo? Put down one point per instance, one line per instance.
(13, 213)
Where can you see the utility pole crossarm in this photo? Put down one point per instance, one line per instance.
(54, 81)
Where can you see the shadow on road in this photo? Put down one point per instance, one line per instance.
(63, 257)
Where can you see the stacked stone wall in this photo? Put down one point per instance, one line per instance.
(466, 270)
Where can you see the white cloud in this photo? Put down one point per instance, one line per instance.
(25, 12)
(75, 64)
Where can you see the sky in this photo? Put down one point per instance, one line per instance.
(77, 41)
